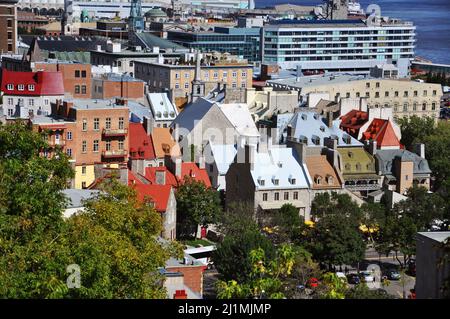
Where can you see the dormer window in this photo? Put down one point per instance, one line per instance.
(275, 181)
(293, 181)
(316, 116)
(303, 139)
(10, 87)
(21, 87)
(318, 179)
(346, 139)
(31, 87)
(304, 117)
(262, 182)
(322, 128)
(330, 180)
(315, 139)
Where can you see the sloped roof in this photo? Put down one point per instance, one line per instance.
(318, 166)
(77, 196)
(192, 113)
(353, 121)
(139, 142)
(310, 126)
(279, 164)
(357, 160)
(161, 106)
(149, 40)
(158, 194)
(240, 117)
(163, 142)
(223, 155)
(187, 169)
(385, 160)
(44, 82)
(382, 132)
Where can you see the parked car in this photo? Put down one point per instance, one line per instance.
(366, 276)
(353, 279)
(313, 282)
(393, 274)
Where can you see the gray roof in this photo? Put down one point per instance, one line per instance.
(385, 160)
(77, 196)
(439, 236)
(89, 104)
(149, 40)
(309, 126)
(138, 111)
(192, 113)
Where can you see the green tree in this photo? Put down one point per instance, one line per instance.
(265, 279)
(414, 129)
(197, 204)
(325, 204)
(361, 291)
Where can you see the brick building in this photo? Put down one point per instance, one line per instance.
(96, 136)
(113, 85)
(8, 26)
(76, 77)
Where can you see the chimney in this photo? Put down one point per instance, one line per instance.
(160, 177)
(177, 171)
(419, 149)
(250, 152)
(330, 142)
(299, 147)
(290, 131)
(201, 162)
(148, 125)
(330, 119)
(180, 294)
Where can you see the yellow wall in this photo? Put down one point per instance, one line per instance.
(89, 177)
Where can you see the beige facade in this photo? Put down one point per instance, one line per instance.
(406, 98)
(267, 102)
(177, 79)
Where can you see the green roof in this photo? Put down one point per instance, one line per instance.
(357, 160)
(151, 41)
(155, 13)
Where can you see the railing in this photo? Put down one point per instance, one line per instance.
(116, 132)
(114, 153)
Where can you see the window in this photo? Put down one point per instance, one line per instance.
(234, 85)
(108, 123)
(95, 146)
(108, 145)
(264, 197)
(286, 195)
(77, 73)
(31, 102)
(96, 124)
(415, 106)
(358, 94)
(83, 185)
(244, 74)
(46, 102)
(377, 94)
(395, 107)
(243, 85)
(84, 147)
(377, 85)
(215, 75)
(434, 92)
(83, 73)
(295, 195)
(262, 182)
(10, 112)
(83, 89)
(433, 106)
(10, 101)
(10, 87)
(77, 89)
(131, 63)
(21, 87)
(177, 75)
(405, 94)
(177, 85)
(234, 74)
(84, 125)
(186, 75)
(405, 107)
(276, 182)
(367, 94)
(121, 123)
(121, 145)
(415, 93)
(31, 87)
(69, 136)
(277, 196)
(9, 23)
(424, 106)
(396, 93)
(186, 85)
(9, 35)
(425, 93)
(386, 94)
(69, 152)
(367, 85)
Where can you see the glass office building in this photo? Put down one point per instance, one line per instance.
(339, 45)
(243, 42)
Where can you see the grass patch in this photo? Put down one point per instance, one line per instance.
(197, 242)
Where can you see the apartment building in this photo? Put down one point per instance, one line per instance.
(97, 136)
(8, 26)
(177, 79)
(405, 97)
(76, 76)
(339, 45)
(26, 94)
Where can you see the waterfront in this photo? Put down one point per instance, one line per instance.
(430, 17)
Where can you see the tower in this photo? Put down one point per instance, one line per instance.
(136, 21)
(337, 9)
(8, 26)
(198, 87)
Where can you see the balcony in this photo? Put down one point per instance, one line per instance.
(115, 133)
(114, 154)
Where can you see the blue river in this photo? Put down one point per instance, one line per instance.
(431, 17)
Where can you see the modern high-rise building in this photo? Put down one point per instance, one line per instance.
(339, 45)
(8, 26)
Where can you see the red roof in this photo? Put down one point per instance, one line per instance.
(382, 132)
(141, 145)
(158, 194)
(133, 180)
(353, 121)
(34, 83)
(187, 169)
